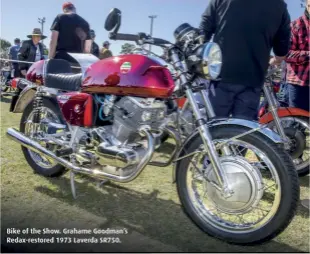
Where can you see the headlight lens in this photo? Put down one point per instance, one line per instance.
(212, 60)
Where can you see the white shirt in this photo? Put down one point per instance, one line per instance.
(38, 54)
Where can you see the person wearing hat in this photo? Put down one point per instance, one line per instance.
(13, 56)
(105, 52)
(70, 34)
(31, 50)
(94, 47)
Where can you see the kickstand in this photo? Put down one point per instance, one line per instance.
(100, 183)
(72, 182)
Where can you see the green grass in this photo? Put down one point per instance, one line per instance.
(148, 207)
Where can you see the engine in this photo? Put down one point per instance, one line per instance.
(131, 113)
(118, 149)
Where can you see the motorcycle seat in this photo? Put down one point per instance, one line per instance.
(66, 82)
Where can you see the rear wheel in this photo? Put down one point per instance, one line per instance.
(39, 163)
(264, 181)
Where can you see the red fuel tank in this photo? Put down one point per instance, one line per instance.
(35, 73)
(129, 75)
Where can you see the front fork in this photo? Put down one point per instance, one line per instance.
(273, 108)
(201, 124)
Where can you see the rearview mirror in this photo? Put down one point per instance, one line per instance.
(113, 21)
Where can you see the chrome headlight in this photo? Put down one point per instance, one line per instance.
(211, 60)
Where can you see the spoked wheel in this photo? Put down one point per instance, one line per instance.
(297, 129)
(264, 183)
(40, 163)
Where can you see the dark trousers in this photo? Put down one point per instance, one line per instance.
(298, 96)
(16, 70)
(237, 101)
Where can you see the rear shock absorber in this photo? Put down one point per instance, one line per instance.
(37, 107)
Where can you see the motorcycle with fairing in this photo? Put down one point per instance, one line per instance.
(107, 122)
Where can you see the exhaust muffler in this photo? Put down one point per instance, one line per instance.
(20, 138)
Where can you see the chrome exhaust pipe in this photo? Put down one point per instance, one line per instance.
(20, 138)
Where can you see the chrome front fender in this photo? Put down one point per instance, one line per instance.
(251, 125)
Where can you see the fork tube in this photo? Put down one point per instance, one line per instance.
(273, 108)
(209, 107)
(202, 127)
(207, 140)
(210, 113)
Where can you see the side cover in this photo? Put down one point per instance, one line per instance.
(77, 108)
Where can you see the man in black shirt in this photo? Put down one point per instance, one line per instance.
(246, 31)
(70, 34)
(94, 46)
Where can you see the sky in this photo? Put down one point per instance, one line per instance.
(19, 17)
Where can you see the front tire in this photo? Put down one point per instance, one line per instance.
(285, 201)
(45, 169)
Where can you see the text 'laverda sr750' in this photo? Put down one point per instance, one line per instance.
(108, 121)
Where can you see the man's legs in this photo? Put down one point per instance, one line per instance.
(298, 96)
(246, 104)
(16, 70)
(222, 96)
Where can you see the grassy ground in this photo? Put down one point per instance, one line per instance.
(148, 208)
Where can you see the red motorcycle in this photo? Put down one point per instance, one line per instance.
(108, 121)
(292, 124)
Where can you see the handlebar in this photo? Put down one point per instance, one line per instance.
(124, 37)
(136, 37)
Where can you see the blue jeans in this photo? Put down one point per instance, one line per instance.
(238, 101)
(298, 96)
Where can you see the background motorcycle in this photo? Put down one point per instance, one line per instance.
(111, 122)
(6, 78)
(292, 124)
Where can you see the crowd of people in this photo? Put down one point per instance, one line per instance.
(70, 33)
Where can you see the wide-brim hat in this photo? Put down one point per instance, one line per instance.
(37, 32)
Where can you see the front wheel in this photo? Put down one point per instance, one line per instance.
(264, 182)
(40, 164)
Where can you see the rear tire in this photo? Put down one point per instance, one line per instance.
(58, 169)
(288, 180)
